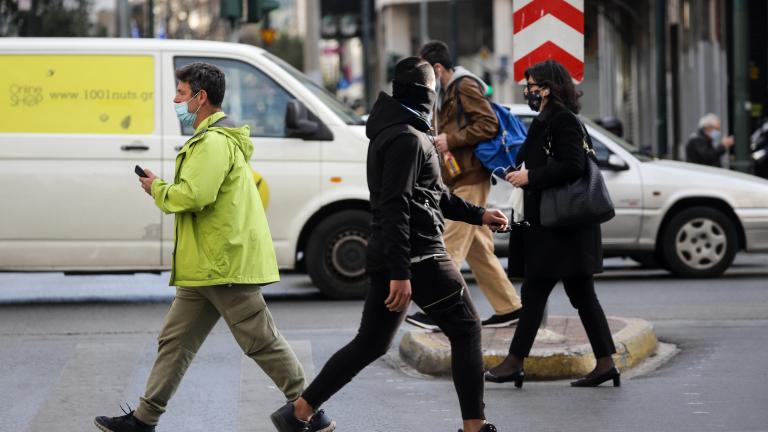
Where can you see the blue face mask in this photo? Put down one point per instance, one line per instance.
(715, 135)
(182, 112)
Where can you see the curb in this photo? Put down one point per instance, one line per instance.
(635, 341)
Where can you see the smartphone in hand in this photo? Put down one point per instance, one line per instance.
(140, 172)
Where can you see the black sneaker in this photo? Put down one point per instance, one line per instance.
(486, 428)
(126, 423)
(420, 319)
(506, 320)
(320, 422)
(285, 421)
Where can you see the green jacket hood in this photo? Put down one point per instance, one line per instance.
(241, 135)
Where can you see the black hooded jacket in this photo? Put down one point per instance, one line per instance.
(700, 150)
(408, 198)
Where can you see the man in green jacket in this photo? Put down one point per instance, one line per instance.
(223, 254)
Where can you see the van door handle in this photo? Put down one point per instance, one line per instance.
(134, 146)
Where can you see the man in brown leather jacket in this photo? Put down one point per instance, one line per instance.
(464, 119)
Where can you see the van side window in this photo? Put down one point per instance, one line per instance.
(252, 98)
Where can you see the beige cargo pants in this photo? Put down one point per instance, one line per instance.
(474, 244)
(193, 314)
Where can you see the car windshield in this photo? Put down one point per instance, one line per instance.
(633, 149)
(344, 112)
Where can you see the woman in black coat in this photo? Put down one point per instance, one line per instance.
(572, 255)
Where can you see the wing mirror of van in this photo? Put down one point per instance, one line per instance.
(613, 163)
(301, 123)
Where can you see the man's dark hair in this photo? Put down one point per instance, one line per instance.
(414, 70)
(555, 77)
(204, 76)
(437, 52)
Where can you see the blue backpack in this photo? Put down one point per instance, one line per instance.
(500, 152)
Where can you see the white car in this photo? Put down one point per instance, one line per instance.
(690, 219)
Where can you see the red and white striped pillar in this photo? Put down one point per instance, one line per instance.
(548, 29)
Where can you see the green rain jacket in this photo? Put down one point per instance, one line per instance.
(222, 236)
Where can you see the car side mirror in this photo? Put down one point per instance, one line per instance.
(297, 122)
(613, 163)
(302, 123)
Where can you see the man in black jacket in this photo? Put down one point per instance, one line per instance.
(706, 147)
(406, 254)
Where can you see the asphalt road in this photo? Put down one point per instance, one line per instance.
(73, 347)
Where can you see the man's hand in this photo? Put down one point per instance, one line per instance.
(728, 141)
(495, 219)
(441, 143)
(399, 295)
(146, 182)
(518, 178)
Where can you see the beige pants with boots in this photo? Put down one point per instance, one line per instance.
(193, 314)
(475, 245)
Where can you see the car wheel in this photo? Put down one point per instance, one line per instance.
(699, 242)
(335, 254)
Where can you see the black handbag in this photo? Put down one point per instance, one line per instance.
(582, 201)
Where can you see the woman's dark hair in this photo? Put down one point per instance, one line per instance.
(437, 52)
(204, 76)
(555, 77)
(414, 70)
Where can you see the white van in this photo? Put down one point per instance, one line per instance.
(78, 114)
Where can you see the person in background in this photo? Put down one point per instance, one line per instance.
(707, 145)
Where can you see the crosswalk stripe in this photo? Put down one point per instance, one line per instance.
(89, 385)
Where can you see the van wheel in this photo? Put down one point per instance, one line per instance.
(336, 254)
(699, 242)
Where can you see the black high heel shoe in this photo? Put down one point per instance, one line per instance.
(517, 376)
(612, 374)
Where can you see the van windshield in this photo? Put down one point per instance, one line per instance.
(344, 112)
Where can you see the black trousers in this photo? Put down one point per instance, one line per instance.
(581, 292)
(439, 290)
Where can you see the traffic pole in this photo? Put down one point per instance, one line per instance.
(741, 104)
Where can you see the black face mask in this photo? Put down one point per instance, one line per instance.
(416, 96)
(534, 100)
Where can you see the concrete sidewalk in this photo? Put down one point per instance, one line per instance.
(560, 351)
